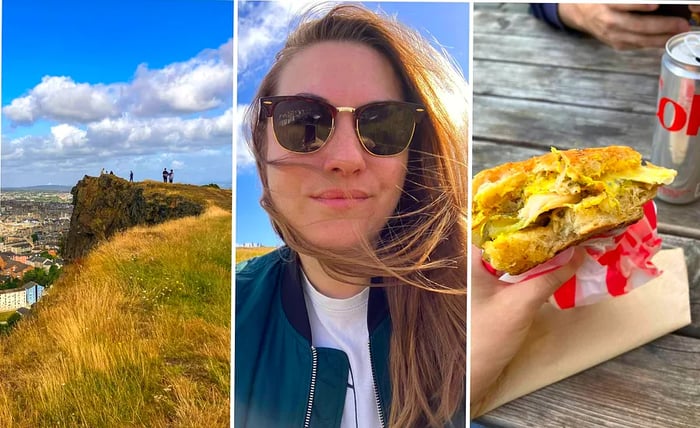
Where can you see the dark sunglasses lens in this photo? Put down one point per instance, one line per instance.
(387, 129)
(302, 126)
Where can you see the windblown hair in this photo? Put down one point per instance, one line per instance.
(422, 248)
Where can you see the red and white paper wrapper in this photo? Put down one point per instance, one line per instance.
(615, 264)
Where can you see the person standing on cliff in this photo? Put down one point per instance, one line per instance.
(131, 176)
(165, 175)
(171, 176)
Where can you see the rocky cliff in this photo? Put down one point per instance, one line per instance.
(105, 205)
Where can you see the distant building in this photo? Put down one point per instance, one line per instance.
(39, 262)
(19, 248)
(250, 245)
(12, 299)
(33, 292)
(13, 268)
(23, 297)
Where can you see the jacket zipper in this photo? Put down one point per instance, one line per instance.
(376, 389)
(312, 388)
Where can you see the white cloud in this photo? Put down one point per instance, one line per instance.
(199, 84)
(262, 28)
(21, 110)
(136, 135)
(124, 137)
(244, 158)
(68, 136)
(60, 98)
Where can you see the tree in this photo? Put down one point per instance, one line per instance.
(10, 283)
(54, 273)
(37, 275)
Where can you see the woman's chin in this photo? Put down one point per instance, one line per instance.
(340, 237)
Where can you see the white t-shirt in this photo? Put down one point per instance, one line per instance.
(342, 324)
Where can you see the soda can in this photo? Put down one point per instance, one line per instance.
(676, 143)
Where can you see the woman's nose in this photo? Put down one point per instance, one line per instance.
(344, 153)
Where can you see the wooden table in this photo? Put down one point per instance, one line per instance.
(535, 88)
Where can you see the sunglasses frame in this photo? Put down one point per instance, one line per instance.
(268, 104)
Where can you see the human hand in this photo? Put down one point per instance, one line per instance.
(618, 25)
(501, 316)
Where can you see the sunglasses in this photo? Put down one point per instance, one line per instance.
(304, 125)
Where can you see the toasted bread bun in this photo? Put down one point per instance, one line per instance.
(524, 213)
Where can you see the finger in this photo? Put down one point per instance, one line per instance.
(641, 41)
(633, 7)
(483, 282)
(651, 25)
(537, 290)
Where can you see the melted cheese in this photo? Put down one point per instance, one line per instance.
(548, 190)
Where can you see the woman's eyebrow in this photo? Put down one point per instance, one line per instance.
(314, 96)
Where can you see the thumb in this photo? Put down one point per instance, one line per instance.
(542, 287)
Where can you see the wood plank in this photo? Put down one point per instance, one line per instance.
(651, 386)
(566, 86)
(494, 21)
(543, 124)
(516, 37)
(691, 250)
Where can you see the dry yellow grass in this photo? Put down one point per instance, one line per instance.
(137, 334)
(245, 253)
(222, 198)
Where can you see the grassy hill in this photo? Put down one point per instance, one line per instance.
(135, 334)
(245, 253)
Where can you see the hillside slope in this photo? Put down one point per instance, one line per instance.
(105, 205)
(136, 333)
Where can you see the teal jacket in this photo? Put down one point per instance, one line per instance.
(281, 380)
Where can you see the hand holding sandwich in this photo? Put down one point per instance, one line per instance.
(501, 316)
(524, 214)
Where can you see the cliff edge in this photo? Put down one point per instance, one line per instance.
(105, 205)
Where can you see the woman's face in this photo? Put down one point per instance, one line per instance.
(339, 194)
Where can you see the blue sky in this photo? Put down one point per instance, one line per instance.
(117, 84)
(262, 27)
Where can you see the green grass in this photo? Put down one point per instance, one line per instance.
(137, 334)
(5, 316)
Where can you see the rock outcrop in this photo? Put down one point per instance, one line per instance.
(105, 205)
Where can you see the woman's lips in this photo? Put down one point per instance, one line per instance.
(336, 198)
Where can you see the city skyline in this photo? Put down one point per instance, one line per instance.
(116, 85)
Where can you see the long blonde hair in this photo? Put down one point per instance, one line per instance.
(422, 248)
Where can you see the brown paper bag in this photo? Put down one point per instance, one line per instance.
(560, 341)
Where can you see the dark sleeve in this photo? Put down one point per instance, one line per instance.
(549, 13)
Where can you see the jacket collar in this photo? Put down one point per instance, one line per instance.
(294, 306)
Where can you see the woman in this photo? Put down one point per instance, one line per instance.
(360, 320)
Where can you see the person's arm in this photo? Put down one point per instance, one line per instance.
(547, 12)
(501, 316)
(622, 26)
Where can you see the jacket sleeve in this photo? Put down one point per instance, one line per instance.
(549, 13)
